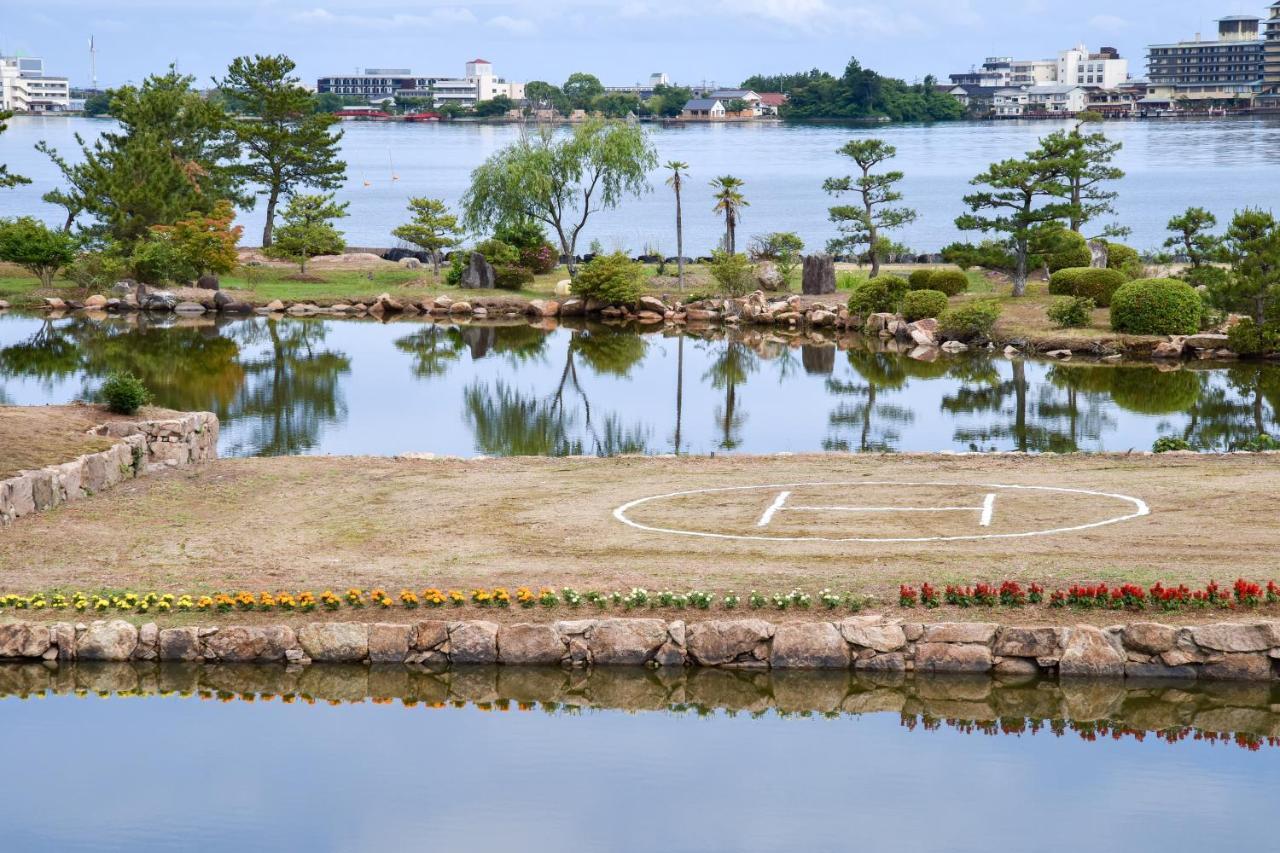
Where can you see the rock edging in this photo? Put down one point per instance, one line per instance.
(1231, 651)
(144, 447)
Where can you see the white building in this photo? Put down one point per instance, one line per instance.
(1009, 102)
(1032, 72)
(1104, 69)
(478, 83)
(25, 88)
(1056, 99)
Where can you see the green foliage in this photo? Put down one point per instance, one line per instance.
(950, 282)
(1126, 259)
(1095, 283)
(156, 260)
(782, 248)
(1253, 245)
(124, 393)
(1248, 338)
(618, 105)
(1168, 443)
(729, 202)
(171, 153)
(1156, 306)
(308, 230)
(613, 279)
(97, 104)
(1071, 312)
(919, 279)
(1258, 444)
(970, 321)
(287, 145)
(1214, 279)
(669, 101)
(201, 243)
(97, 271)
(522, 234)
(511, 277)
(732, 272)
(859, 93)
(880, 295)
(988, 254)
(1193, 237)
(457, 266)
(1085, 164)
(37, 248)
(499, 253)
(432, 228)
(496, 106)
(1066, 249)
(920, 304)
(863, 223)
(7, 178)
(582, 90)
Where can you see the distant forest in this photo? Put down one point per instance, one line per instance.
(858, 93)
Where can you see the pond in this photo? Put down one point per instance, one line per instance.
(326, 386)
(330, 758)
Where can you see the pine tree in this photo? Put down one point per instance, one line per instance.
(308, 230)
(8, 179)
(432, 228)
(863, 224)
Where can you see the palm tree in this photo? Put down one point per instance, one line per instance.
(678, 170)
(729, 201)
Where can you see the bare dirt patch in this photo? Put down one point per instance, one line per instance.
(33, 437)
(317, 523)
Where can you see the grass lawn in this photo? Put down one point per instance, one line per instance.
(34, 437)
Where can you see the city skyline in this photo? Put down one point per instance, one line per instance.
(619, 42)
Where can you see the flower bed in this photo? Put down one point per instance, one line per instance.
(1128, 596)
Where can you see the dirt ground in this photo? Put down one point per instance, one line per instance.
(35, 436)
(317, 523)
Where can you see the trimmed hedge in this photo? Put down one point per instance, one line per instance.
(975, 320)
(511, 277)
(950, 282)
(1156, 306)
(880, 295)
(921, 304)
(919, 279)
(1124, 258)
(1090, 282)
(1072, 250)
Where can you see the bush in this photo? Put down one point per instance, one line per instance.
(511, 277)
(966, 322)
(1125, 259)
(919, 279)
(97, 270)
(920, 304)
(521, 235)
(614, 279)
(1071, 312)
(1168, 443)
(1096, 284)
(1258, 444)
(1067, 249)
(733, 272)
(540, 259)
(1248, 338)
(1156, 306)
(498, 253)
(950, 282)
(124, 393)
(879, 295)
(457, 266)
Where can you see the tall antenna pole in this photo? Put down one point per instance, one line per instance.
(93, 63)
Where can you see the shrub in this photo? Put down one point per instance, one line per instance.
(457, 266)
(1168, 443)
(919, 279)
(733, 272)
(614, 279)
(966, 322)
(498, 253)
(919, 304)
(1096, 284)
(1156, 306)
(124, 393)
(1071, 312)
(539, 259)
(521, 235)
(1258, 444)
(1125, 259)
(1248, 338)
(950, 282)
(882, 294)
(97, 270)
(1067, 249)
(511, 277)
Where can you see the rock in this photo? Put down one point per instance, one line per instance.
(179, 644)
(1098, 253)
(430, 635)
(1027, 642)
(1239, 667)
(96, 300)
(922, 337)
(335, 642)
(190, 308)
(159, 300)
(821, 319)
(479, 274)
(23, 640)
(769, 277)
(530, 644)
(221, 300)
(107, 641)
(1017, 666)
(809, 645)
(148, 638)
(208, 281)
(460, 307)
(1158, 670)
(960, 632)
(1090, 653)
(473, 642)
(544, 308)
(652, 303)
(702, 315)
(819, 276)
(124, 287)
(952, 657)
(1237, 637)
(1167, 349)
(1061, 354)
(411, 263)
(564, 287)
(574, 306)
(719, 642)
(891, 662)
(53, 303)
(237, 644)
(626, 641)
(868, 632)
(954, 346)
(4, 305)
(389, 641)
(275, 306)
(1149, 638)
(1207, 340)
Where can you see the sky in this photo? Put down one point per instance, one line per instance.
(620, 41)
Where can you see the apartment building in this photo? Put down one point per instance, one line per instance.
(1228, 68)
(478, 83)
(993, 88)
(25, 88)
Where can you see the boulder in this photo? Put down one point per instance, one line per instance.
(159, 300)
(626, 641)
(544, 308)
(952, 657)
(719, 642)
(221, 299)
(96, 300)
(530, 644)
(53, 303)
(107, 641)
(190, 308)
(1156, 669)
(1239, 667)
(1027, 642)
(23, 640)
(208, 281)
(954, 346)
(238, 644)
(1237, 637)
(275, 306)
(960, 632)
(430, 635)
(819, 276)
(389, 641)
(411, 263)
(564, 287)
(1090, 652)
(479, 274)
(1167, 349)
(1149, 638)
(868, 632)
(180, 644)
(335, 642)
(653, 304)
(4, 305)
(891, 662)
(1017, 667)
(809, 645)
(922, 337)
(1206, 340)
(473, 642)
(769, 277)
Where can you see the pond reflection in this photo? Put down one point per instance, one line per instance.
(284, 385)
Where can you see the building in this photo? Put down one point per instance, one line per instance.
(1055, 100)
(1227, 69)
(704, 108)
(1009, 102)
(991, 89)
(643, 91)
(478, 83)
(1104, 69)
(25, 88)
(771, 102)
(1271, 53)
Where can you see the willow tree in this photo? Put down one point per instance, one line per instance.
(864, 222)
(560, 179)
(288, 145)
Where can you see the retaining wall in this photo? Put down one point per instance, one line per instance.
(1233, 651)
(144, 447)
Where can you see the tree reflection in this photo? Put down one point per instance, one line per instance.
(875, 425)
(434, 349)
(1243, 404)
(732, 364)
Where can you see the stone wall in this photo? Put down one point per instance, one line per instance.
(1234, 651)
(144, 447)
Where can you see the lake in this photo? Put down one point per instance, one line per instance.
(328, 758)
(287, 386)
(1221, 164)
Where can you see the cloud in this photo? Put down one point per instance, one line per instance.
(1108, 23)
(515, 26)
(445, 15)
